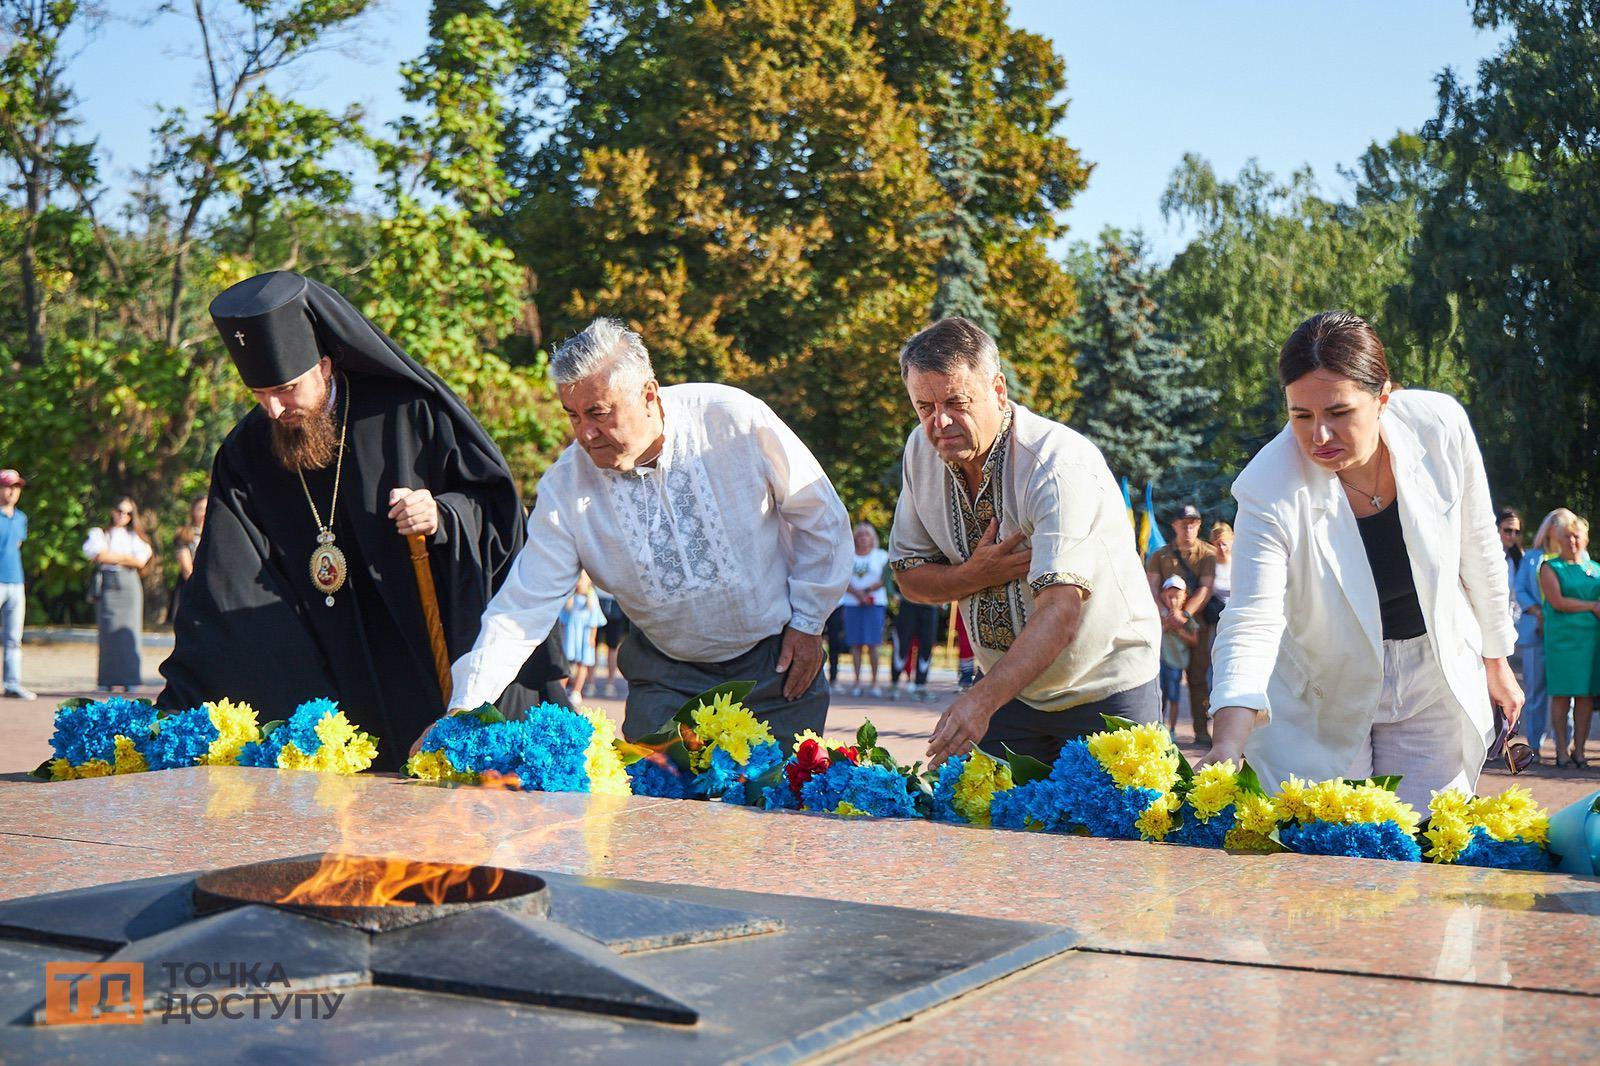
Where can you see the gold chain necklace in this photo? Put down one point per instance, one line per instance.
(1373, 497)
(328, 564)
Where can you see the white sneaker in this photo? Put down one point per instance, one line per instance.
(855, 690)
(875, 692)
(20, 693)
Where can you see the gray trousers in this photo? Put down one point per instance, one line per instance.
(1029, 731)
(658, 686)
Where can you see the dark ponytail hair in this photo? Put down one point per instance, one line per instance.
(1338, 341)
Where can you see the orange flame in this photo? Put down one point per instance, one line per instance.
(345, 878)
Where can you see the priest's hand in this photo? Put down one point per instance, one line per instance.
(799, 660)
(414, 511)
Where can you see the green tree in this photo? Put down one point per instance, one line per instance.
(962, 272)
(35, 121)
(1266, 255)
(444, 289)
(1506, 270)
(1138, 399)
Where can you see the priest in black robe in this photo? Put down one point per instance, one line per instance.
(304, 585)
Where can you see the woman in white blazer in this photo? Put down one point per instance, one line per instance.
(1367, 631)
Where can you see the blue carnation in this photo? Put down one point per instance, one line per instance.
(301, 728)
(1093, 800)
(1485, 850)
(722, 775)
(1198, 834)
(1040, 805)
(944, 790)
(1360, 840)
(779, 797)
(652, 778)
(876, 790)
(90, 731)
(181, 739)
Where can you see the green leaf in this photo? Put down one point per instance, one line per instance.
(1389, 781)
(489, 714)
(736, 689)
(1025, 768)
(42, 771)
(867, 735)
(1248, 781)
(267, 728)
(1114, 723)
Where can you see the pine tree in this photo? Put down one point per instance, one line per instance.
(1137, 401)
(962, 271)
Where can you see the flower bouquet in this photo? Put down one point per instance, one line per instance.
(1122, 783)
(1507, 832)
(1575, 837)
(710, 749)
(854, 780)
(966, 786)
(1360, 819)
(550, 749)
(317, 736)
(1225, 807)
(123, 736)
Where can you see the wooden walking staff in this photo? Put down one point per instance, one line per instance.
(430, 611)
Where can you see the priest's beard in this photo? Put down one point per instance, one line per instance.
(308, 445)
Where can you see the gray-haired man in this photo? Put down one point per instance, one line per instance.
(1019, 518)
(703, 514)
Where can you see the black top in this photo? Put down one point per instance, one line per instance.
(1385, 542)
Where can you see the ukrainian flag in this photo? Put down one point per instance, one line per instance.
(1150, 538)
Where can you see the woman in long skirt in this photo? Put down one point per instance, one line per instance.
(119, 553)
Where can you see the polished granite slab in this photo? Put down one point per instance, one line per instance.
(1174, 941)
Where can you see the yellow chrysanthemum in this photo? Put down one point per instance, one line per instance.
(848, 810)
(344, 750)
(1156, 821)
(1254, 819)
(981, 777)
(61, 770)
(607, 776)
(128, 759)
(727, 725)
(236, 727)
(436, 766)
(1513, 815)
(92, 768)
(1215, 787)
(1141, 756)
(805, 735)
(1339, 803)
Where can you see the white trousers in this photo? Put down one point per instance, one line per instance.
(1417, 730)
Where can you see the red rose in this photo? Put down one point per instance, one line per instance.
(850, 755)
(809, 760)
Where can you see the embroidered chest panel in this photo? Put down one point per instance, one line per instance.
(673, 526)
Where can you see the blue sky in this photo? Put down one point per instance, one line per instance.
(1289, 82)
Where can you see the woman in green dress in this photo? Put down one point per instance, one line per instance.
(1571, 586)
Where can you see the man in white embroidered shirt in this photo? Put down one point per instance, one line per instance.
(1019, 518)
(704, 515)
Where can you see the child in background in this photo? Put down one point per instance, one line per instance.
(580, 620)
(1178, 637)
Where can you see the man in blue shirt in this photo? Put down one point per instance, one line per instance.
(13, 531)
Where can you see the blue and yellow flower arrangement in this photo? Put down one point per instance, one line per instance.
(1121, 783)
(965, 788)
(860, 780)
(712, 748)
(1507, 832)
(1360, 819)
(550, 749)
(1224, 806)
(123, 736)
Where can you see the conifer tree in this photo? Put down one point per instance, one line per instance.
(1137, 401)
